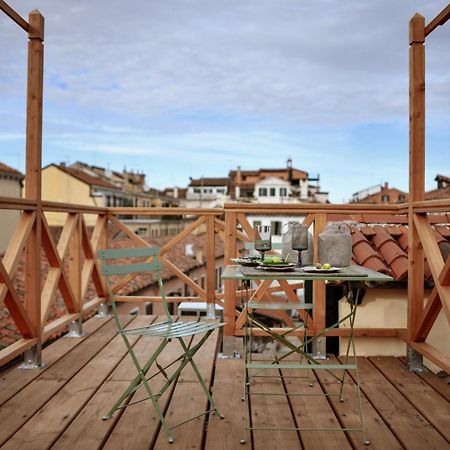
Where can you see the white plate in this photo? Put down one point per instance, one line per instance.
(251, 262)
(313, 269)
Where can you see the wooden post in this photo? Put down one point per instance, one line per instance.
(416, 168)
(75, 263)
(33, 176)
(210, 267)
(319, 290)
(230, 285)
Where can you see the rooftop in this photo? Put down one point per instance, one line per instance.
(7, 169)
(85, 178)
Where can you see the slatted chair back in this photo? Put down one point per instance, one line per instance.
(151, 264)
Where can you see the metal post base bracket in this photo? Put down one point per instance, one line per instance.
(230, 348)
(235, 355)
(211, 311)
(414, 360)
(319, 348)
(31, 360)
(103, 310)
(75, 329)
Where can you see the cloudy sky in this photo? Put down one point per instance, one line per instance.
(190, 88)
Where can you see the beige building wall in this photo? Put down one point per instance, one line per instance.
(8, 218)
(387, 308)
(58, 186)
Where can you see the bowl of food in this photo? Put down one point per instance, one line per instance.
(275, 263)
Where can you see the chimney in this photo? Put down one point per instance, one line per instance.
(238, 175)
(386, 185)
(289, 169)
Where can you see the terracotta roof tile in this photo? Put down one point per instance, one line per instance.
(388, 245)
(6, 168)
(365, 254)
(443, 231)
(210, 182)
(391, 251)
(403, 241)
(88, 179)
(367, 231)
(439, 237)
(393, 230)
(437, 194)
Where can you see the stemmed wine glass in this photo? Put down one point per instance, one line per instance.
(299, 239)
(262, 239)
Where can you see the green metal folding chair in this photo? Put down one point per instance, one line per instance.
(166, 331)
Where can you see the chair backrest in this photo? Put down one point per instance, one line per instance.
(152, 264)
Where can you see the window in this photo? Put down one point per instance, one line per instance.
(262, 192)
(401, 198)
(256, 223)
(283, 192)
(385, 198)
(197, 191)
(275, 228)
(272, 192)
(220, 190)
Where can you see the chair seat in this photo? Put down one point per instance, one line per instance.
(170, 330)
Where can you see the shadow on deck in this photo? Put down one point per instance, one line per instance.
(61, 405)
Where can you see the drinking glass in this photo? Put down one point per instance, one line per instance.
(262, 239)
(299, 239)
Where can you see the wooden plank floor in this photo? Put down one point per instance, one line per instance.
(61, 405)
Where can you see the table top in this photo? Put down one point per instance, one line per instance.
(351, 273)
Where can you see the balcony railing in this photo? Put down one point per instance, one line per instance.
(73, 267)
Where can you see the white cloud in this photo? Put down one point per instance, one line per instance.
(245, 82)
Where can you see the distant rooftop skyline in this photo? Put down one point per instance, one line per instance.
(179, 89)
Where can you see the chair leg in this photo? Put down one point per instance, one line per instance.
(199, 376)
(149, 391)
(142, 379)
(127, 392)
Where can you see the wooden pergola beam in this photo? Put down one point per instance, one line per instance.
(416, 168)
(440, 19)
(14, 16)
(33, 172)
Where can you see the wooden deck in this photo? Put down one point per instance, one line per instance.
(60, 406)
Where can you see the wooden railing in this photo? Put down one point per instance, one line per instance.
(73, 267)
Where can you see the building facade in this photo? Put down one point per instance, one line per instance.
(10, 186)
(380, 194)
(68, 185)
(206, 193)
